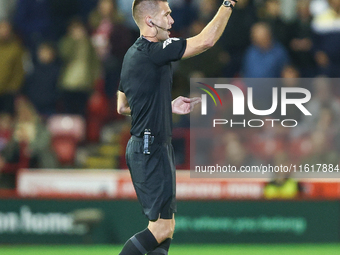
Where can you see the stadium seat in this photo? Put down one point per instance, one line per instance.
(67, 131)
(266, 148)
(65, 148)
(23, 162)
(300, 148)
(97, 115)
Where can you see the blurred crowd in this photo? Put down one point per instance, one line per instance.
(64, 57)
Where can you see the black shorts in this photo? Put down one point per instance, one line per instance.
(154, 177)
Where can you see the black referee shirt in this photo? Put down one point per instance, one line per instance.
(146, 80)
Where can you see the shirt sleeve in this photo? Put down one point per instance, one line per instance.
(170, 50)
(120, 87)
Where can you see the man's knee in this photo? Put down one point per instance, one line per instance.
(162, 229)
(168, 233)
(162, 233)
(173, 223)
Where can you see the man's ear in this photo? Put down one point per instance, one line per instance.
(148, 21)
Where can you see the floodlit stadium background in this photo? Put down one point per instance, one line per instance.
(63, 177)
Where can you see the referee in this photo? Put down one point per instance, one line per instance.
(145, 94)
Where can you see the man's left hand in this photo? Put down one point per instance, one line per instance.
(184, 105)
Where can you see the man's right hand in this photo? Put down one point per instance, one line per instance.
(123, 106)
(210, 34)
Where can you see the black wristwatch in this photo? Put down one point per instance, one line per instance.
(227, 3)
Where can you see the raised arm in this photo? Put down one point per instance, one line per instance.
(211, 33)
(123, 106)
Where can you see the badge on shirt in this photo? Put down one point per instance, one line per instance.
(169, 41)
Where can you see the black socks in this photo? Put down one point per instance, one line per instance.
(141, 243)
(162, 249)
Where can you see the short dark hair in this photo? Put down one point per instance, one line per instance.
(139, 6)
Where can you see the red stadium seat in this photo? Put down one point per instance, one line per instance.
(65, 148)
(300, 148)
(67, 131)
(97, 115)
(266, 148)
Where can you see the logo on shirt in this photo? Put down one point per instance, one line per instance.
(169, 41)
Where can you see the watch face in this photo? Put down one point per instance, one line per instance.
(227, 3)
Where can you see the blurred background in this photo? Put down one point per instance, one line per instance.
(63, 176)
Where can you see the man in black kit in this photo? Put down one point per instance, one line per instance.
(145, 94)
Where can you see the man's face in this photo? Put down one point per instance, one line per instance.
(261, 37)
(106, 8)
(5, 30)
(45, 54)
(163, 19)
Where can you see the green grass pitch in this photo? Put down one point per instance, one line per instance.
(300, 249)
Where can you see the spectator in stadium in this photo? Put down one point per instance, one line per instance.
(290, 74)
(190, 67)
(272, 16)
(301, 44)
(7, 8)
(290, 78)
(33, 22)
(111, 39)
(326, 27)
(86, 7)
(328, 123)
(30, 136)
(322, 151)
(6, 182)
(235, 153)
(5, 129)
(41, 85)
(80, 68)
(124, 7)
(62, 13)
(282, 186)
(236, 38)
(322, 96)
(11, 66)
(206, 9)
(102, 21)
(184, 12)
(318, 6)
(265, 58)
